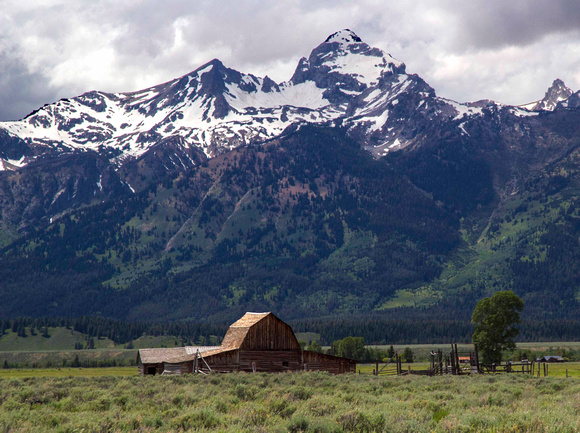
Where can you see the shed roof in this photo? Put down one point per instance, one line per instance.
(172, 354)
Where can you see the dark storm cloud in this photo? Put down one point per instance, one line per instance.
(506, 50)
(498, 23)
(20, 90)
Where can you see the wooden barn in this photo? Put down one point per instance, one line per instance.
(258, 342)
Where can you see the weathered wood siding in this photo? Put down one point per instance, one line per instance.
(144, 368)
(270, 333)
(224, 362)
(333, 364)
(171, 368)
(273, 361)
(264, 361)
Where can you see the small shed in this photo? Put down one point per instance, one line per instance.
(550, 358)
(166, 360)
(258, 342)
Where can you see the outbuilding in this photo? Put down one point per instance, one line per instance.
(258, 342)
(550, 358)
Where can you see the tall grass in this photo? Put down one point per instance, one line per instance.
(299, 402)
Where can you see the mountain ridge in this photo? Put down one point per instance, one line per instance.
(216, 108)
(350, 190)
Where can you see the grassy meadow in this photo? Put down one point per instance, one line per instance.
(13, 373)
(300, 402)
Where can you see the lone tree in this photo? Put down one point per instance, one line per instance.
(494, 320)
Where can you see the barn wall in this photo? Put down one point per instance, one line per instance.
(333, 364)
(270, 360)
(171, 368)
(223, 362)
(144, 367)
(270, 333)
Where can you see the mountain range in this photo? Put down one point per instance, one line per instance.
(349, 190)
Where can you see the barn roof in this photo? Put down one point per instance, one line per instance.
(238, 330)
(172, 354)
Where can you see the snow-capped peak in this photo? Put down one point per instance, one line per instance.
(343, 37)
(345, 65)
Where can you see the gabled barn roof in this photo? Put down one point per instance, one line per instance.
(239, 329)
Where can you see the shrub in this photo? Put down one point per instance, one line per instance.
(281, 408)
(255, 417)
(356, 421)
(245, 392)
(301, 393)
(221, 406)
(298, 423)
(204, 418)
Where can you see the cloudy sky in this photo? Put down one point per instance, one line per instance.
(509, 51)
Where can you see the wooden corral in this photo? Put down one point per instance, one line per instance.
(455, 362)
(258, 342)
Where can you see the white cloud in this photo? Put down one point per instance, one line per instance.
(508, 51)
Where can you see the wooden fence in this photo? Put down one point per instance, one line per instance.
(456, 362)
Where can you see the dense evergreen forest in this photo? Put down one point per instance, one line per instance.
(312, 227)
(375, 332)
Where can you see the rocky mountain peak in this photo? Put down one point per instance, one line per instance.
(555, 94)
(344, 64)
(345, 36)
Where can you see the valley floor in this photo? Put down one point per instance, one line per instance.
(290, 402)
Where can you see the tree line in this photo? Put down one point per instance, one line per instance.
(120, 332)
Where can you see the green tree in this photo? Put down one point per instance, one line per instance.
(76, 362)
(494, 320)
(349, 347)
(314, 347)
(408, 355)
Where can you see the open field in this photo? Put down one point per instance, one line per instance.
(55, 358)
(65, 339)
(554, 370)
(300, 402)
(421, 351)
(68, 372)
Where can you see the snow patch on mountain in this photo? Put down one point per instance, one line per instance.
(216, 109)
(555, 94)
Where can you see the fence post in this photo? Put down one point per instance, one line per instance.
(377, 368)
